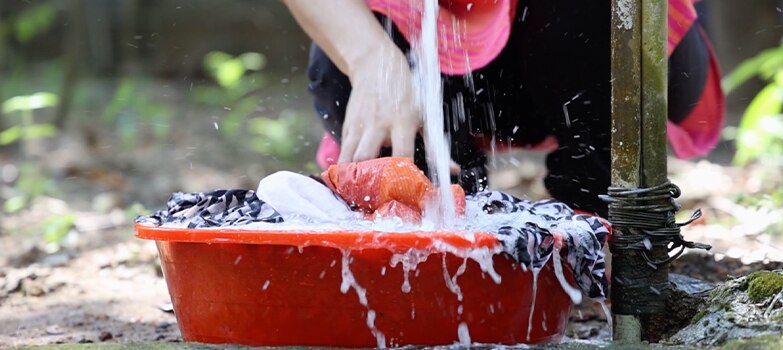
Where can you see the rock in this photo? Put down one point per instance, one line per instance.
(162, 327)
(31, 253)
(689, 285)
(33, 287)
(12, 283)
(687, 295)
(55, 260)
(54, 330)
(104, 336)
(167, 308)
(744, 307)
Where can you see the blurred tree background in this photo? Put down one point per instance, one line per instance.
(110, 105)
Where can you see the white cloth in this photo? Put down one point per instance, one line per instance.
(297, 196)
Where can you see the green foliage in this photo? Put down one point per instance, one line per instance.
(131, 108)
(760, 134)
(135, 210)
(56, 227)
(239, 82)
(228, 71)
(31, 182)
(31, 132)
(275, 137)
(30, 22)
(23, 106)
(30, 102)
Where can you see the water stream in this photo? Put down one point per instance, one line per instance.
(428, 81)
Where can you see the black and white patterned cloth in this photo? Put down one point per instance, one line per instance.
(531, 243)
(220, 208)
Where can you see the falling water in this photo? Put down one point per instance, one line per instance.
(427, 74)
(533, 303)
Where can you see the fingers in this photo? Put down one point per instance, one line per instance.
(370, 144)
(349, 144)
(454, 168)
(403, 144)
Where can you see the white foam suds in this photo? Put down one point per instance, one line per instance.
(474, 220)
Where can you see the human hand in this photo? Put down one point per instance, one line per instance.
(381, 110)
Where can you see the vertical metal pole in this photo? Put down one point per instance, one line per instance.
(654, 114)
(626, 77)
(654, 91)
(639, 107)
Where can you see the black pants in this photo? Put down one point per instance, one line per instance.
(552, 78)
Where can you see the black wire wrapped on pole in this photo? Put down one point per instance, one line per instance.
(643, 220)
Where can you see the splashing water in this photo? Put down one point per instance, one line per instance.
(609, 319)
(463, 334)
(348, 282)
(410, 260)
(533, 303)
(427, 78)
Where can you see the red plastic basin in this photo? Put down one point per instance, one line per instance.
(263, 288)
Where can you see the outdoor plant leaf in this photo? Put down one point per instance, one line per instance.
(754, 137)
(122, 98)
(16, 133)
(14, 204)
(10, 135)
(253, 60)
(765, 63)
(56, 227)
(34, 21)
(30, 102)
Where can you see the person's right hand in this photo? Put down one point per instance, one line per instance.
(382, 109)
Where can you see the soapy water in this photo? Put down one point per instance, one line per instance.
(476, 219)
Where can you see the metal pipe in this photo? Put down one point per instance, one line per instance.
(639, 106)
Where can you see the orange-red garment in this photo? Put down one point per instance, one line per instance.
(396, 209)
(390, 186)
